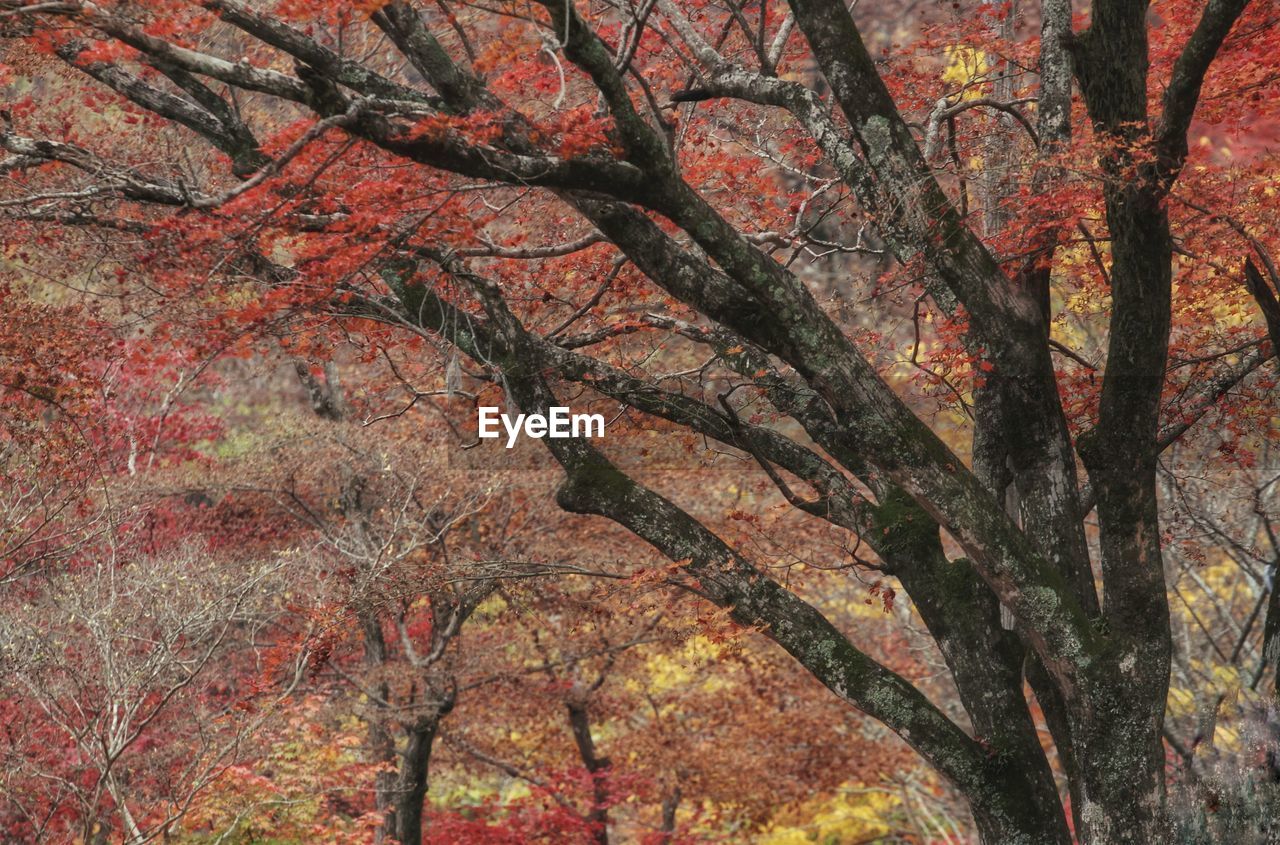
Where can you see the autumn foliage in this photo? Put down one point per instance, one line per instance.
(937, 345)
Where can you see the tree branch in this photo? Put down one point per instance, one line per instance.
(1183, 93)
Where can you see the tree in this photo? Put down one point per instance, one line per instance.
(126, 717)
(373, 159)
(391, 539)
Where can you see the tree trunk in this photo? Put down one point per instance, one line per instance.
(411, 786)
(381, 745)
(670, 806)
(596, 766)
(1121, 768)
(963, 617)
